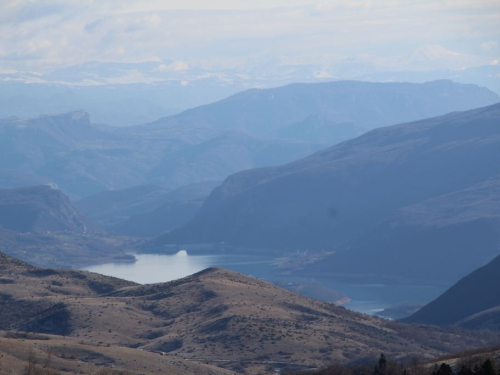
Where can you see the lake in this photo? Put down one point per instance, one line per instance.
(157, 268)
(365, 298)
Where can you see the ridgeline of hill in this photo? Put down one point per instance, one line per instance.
(472, 303)
(381, 202)
(255, 128)
(215, 316)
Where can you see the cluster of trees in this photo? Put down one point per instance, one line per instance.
(466, 365)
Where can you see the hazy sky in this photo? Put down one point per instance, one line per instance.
(234, 34)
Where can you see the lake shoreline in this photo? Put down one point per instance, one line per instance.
(366, 298)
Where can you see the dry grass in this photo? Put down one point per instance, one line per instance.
(65, 355)
(216, 316)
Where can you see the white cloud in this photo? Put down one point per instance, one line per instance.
(177, 66)
(489, 45)
(242, 36)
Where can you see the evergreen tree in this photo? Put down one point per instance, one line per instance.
(487, 368)
(381, 368)
(464, 370)
(444, 369)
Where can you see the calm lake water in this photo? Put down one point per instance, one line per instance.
(155, 268)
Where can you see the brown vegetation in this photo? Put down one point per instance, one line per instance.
(215, 316)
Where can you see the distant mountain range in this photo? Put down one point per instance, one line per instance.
(256, 128)
(83, 159)
(124, 94)
(472, 303)
(391, 203)
(110, 102)
(353, 106)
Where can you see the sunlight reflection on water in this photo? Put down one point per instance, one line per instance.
(156, 268)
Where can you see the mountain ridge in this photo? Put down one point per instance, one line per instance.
(216, 316)
(215, 140)
(472, 303)
(341, 193)
(40, 209)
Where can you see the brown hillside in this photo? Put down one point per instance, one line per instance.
(68, 356)
(214, 316)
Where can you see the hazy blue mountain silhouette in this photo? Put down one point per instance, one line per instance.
(344, 193)
(473, 302)
(256, 128)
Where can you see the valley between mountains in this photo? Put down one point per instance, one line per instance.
(284, 211)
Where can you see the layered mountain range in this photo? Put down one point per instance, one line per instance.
(390, 203)
(83, 159)
(256, 128)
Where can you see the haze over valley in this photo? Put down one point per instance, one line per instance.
(284, 187)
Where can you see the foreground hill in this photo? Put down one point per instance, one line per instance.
(257, 128)
(345, 192)
(214, 316)
(28, 302)
(68, 355)
(473, 302)
(479, 360)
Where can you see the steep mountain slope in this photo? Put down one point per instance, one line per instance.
(130, 200)
(473, 302)
(315, 128)
(110, 207)
(225, 154)
(145, 205)
(10, 264)
(66, 249)
(365, 105)
(448, 236)
(344, 192)
(165, 218)
(68, 151)
(213, 141)
(215, 316)
(40, 209)
(39, 224)
(83, 159)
